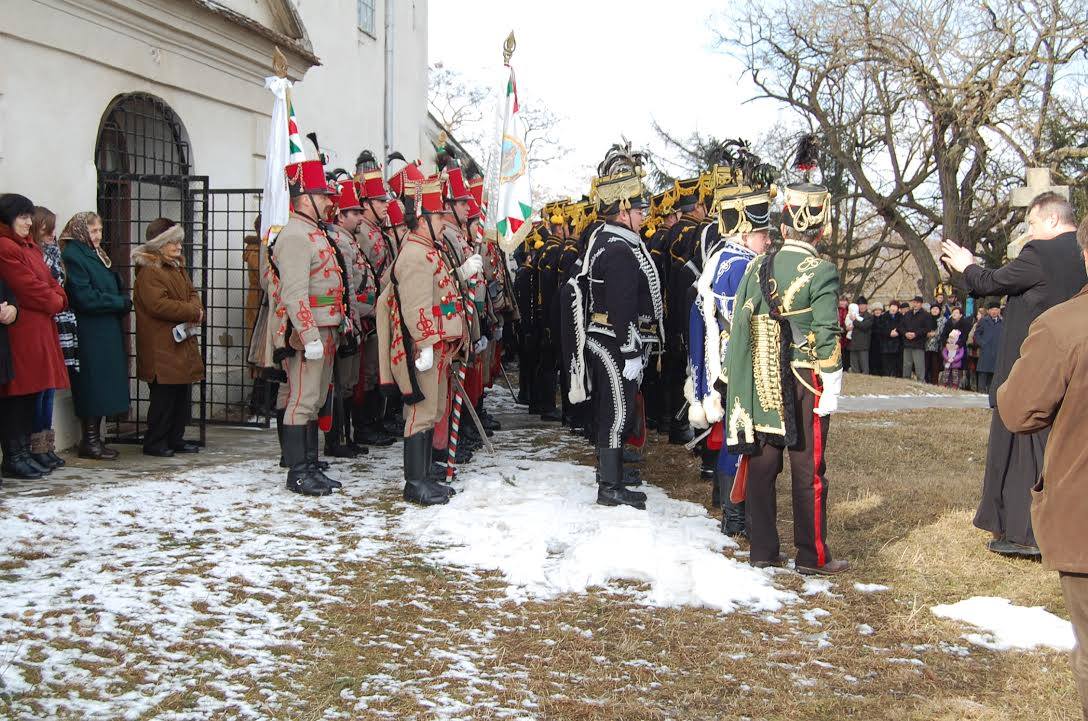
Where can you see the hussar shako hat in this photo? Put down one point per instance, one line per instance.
(745, 212)
(426, 195)
(456, 188)
(687, 193)
(806, 205)
(743, 190)
(399, 171)
(307, 176)
(369, 174)
(396, 212)
(347, 195)
(554, 212)
(476, 203)
(618, 185)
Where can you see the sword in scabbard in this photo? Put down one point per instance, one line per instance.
(456, 380)
(695, 441)
(509, 386)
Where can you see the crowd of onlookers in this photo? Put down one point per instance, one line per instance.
(63, 315)
(936, 342)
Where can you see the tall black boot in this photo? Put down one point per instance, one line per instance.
(370, 430)
(348, 414)
(90, 445)
(17, 461)
(732, 513)
(301, 476)
(610, 489)
(438, 472)
(418, 488)
(312, 456)
(631, 475)
(334, 438)
(280, 413)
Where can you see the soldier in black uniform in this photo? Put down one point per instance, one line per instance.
(682, 241)
(525, 297)
(615, 319)
(546, 318)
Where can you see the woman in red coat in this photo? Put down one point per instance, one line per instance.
(37, 363)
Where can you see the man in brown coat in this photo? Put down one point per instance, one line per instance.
(1048, 388)
(168, 317)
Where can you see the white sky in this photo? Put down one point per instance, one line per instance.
(607, 68)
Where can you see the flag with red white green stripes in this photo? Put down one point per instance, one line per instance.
(509, 190)
(294, 138)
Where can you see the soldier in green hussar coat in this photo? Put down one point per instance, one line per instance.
(783, 378)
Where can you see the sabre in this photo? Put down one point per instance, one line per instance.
(509, 386)
(456, 380)
(683, 411)
(695, 441)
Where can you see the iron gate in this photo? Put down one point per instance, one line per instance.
(216, 224)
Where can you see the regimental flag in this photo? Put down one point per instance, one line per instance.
(510, 202)
(294, 138)
(284, 147)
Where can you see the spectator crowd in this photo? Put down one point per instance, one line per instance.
(63, 310)
(935, 342)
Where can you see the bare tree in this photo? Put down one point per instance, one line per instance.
(464, 110)
(930, 107)
(457, 103)
(542, 135)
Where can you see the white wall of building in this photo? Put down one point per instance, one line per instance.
(64, 61)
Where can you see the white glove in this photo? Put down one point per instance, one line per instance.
(426, 359)
(472, 265)
(481, 345)
(314, 350)
(632, 368)
(829, 399)
(712, 407)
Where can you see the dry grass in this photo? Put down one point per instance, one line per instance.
(903, 489)
(856, 384)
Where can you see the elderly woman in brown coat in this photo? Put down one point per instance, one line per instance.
(168, 317)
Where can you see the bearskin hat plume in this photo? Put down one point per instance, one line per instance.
(618, 159)
(808, 154)
(366, 161)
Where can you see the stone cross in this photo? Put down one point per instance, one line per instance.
(1038, 183)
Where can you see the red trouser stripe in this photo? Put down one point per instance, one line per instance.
(817, 479)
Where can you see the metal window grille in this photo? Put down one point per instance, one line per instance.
(143, 160)
(366, 15)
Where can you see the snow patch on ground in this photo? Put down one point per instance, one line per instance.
(1006, 626)
(195, 582)
(537, 523)
(870, 587)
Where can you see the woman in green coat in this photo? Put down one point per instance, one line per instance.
(100, 387)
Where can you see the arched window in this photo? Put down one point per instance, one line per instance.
(141, 135)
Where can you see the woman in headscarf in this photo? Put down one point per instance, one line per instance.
(43, 448)
(100, 381)
(37, 363)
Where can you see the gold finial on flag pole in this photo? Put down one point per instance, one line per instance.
(279, 63)
(508, 48)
